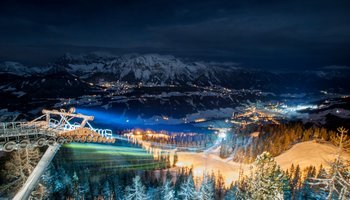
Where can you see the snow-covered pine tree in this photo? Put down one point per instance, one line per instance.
(341, 139)
(57, 182)
(136, 191)
(295, 181)
(231, 193)
(340, 174)
(291, 172)
(305, 191)
(106, 190)
(117, 188)
(47, 179)
(167, 192)
(168, 176)
(75, 185)
(18, 167)
(206, 190)
(322, 173)
(239, 189)
(187, 189)
(287, 192)
(337, 184)
(267, 181)
(180, 179)
(95, 190)
(219, 187)
(154, 193)
(84, 188)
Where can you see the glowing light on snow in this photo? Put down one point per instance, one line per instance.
(105, 117)
(198, 172)
(179, 164)
(222, 134)
(288, 109)
(199, 120)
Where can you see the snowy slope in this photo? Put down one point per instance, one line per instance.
(309, 153)
(304, 154)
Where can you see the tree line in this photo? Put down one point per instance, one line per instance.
(265, 181)
(274, 138)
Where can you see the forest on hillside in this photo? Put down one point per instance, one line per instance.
(274, 138)
(266, 180)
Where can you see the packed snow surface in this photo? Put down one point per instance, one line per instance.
(208, 163)
(309, 153)
(303, 154)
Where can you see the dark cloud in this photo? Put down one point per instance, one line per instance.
(337, 67)
(266, 34)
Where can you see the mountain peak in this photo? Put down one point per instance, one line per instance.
(15, 68)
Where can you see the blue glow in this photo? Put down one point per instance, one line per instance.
(104, 116)
(110, 119)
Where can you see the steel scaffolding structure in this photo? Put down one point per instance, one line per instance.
(54, 126)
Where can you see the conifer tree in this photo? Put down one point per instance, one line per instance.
(167, 192)
(168, 176)
(76, 186)
(136, 191)
(179, 180)
(337, 183)
(322, 173)
(206, 190)
(219, 187)
(18, 168)
(267, 181)
(117, 188)
(295, 181)
(231, 192)
(187, 190)
(106, 190)
(291, 172)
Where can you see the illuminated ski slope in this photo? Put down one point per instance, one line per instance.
(309, 153)
(304, 154)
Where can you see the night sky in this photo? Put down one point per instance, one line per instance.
(279, 35)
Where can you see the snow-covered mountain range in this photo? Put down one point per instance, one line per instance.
(154, 69)
(147, 69)
(19, 69)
